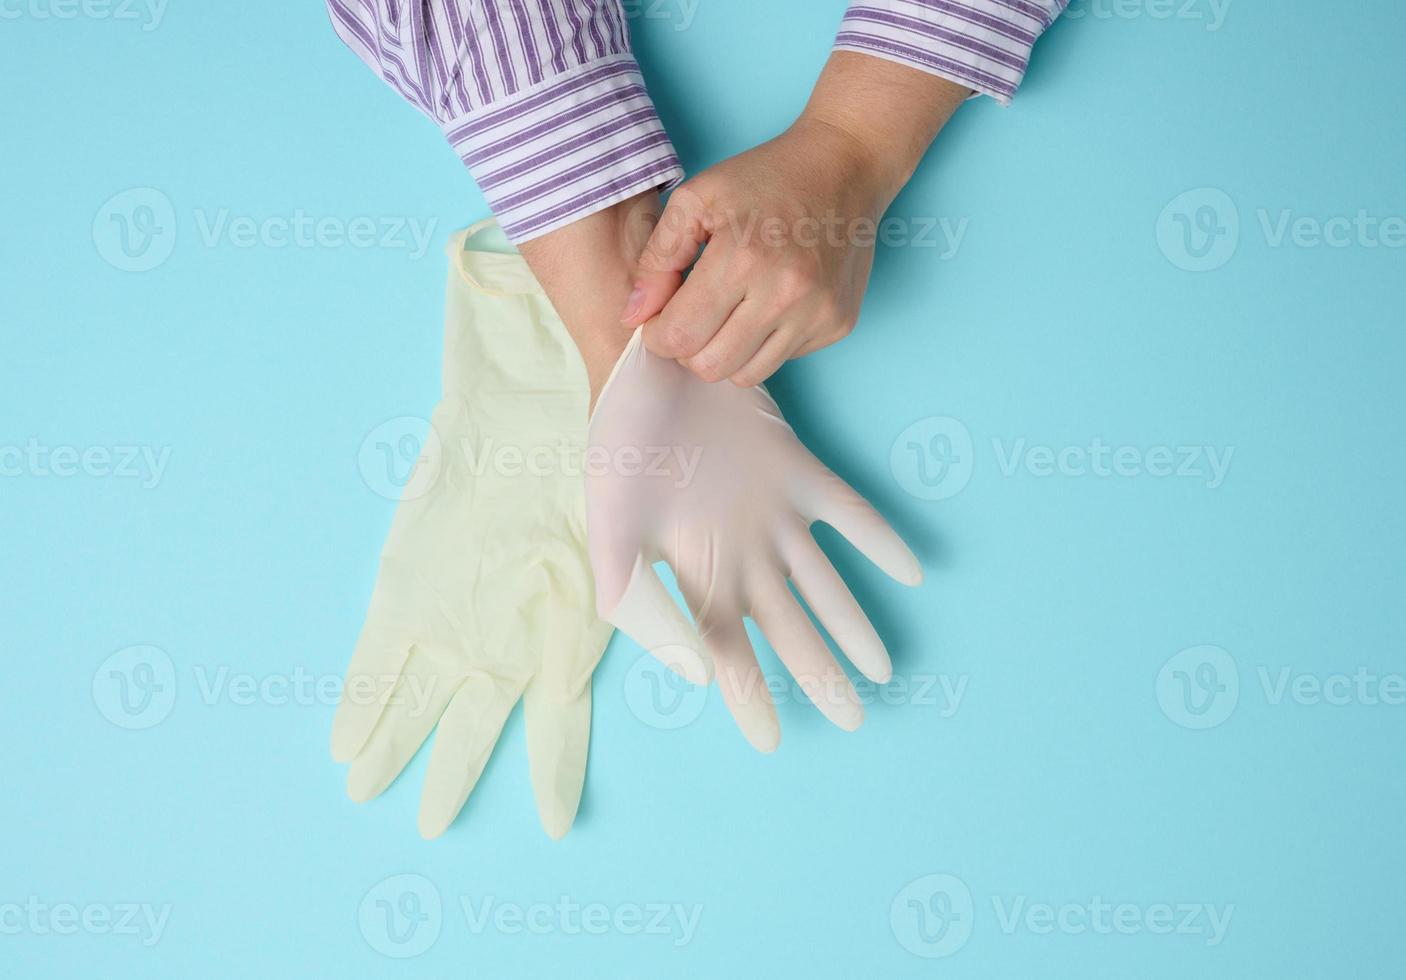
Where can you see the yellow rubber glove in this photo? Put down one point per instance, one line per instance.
(485, 592)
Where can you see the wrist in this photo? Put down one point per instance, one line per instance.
(888, 114)
(863, 165)
(587, 271)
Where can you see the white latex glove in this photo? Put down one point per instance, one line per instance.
(711, 479)
(485, 593)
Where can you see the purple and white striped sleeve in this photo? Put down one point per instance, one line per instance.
(982, 44)
(542, 99)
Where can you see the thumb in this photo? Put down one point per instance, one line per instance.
(672, 248)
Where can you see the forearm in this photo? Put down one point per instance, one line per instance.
(587, 271)
(888, 113)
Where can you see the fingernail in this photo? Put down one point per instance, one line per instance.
(632, 306)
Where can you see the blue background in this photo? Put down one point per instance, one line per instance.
(1067, 774)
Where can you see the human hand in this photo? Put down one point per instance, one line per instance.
(787, 230)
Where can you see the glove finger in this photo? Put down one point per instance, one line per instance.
(740, 678)
(371, 678)
(558, 741)
(414, 705)
(613, 551)
(807, 657)
(741, 681)
(557, 705)
(846, 511)
(467, 732)
(648, 615)
(836, 608)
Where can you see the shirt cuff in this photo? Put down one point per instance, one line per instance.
(566, 148)
(982, 44)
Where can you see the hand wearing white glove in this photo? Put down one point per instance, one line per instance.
(710, 479)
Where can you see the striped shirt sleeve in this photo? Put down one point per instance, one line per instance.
(982, 44)
(542, 99)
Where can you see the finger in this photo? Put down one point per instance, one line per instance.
(807, 657)
(741, 681)
(766, 361)
(371, 677)
(557, 709)
(695, 314)
(672, 247)
(836, 503)
(416, 703)
(735, 343)
(835, 606)
(463, 742)
(558, 740)
(648, 615)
